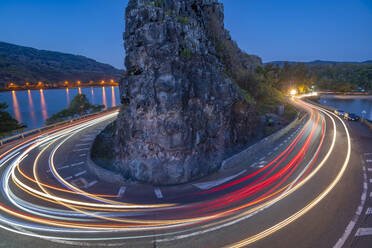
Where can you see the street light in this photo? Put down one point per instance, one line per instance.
(293, 92)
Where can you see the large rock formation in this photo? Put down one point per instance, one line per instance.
(182, 114)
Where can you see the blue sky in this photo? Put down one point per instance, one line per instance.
(274, 30)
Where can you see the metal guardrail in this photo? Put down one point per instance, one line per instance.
(42, 129)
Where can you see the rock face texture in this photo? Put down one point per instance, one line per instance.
(181, 114)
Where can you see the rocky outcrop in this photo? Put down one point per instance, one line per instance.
(182, 114)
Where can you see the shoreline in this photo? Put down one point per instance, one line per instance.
(346, 96)
(59, 88)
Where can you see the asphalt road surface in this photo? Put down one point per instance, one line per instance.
(311, 190)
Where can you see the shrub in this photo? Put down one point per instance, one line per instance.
(183, 20)
(186, 53)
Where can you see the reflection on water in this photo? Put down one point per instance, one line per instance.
(43, 105)
(31, 107)
(92, 93)
(353, 105)
(113, 96)
(104, 97)
(16, 109)
(34, 107)
(67, 96)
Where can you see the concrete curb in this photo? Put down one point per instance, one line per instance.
(248, 153)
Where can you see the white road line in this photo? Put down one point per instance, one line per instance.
(83, 144)
(68, 178)
(340, 243)
(64, 167)
(253, 165)
(77, 164)
(369, 211)
(83, 155)
(276, 148)
(212, 184)
(158, 193)
(80, 173)
(81, 150)
(91, 184)
(121, 191)
(364, 232)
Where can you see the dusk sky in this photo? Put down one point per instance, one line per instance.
(275, 30)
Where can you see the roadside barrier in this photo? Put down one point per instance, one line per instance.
(49, 127)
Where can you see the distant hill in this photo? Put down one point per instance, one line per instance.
(20, 64)
(317, 62)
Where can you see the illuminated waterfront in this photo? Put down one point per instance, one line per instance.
(351, 104)
(33, 107)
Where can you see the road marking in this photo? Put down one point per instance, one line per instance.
(68, 178)
(369, 211)
(370, 180)
(276, 148)
(369, 160)
(80, 173)
(364, 232)
(253, 165)
(80, 150)
(212, 184)
(368, 153)
(340, 243)
(369, 169)
(121, 191)
(83, 144)
(91, 184)
(370, 195)
(77, 164)
(158, 193)
(64, 167)
(82, 155)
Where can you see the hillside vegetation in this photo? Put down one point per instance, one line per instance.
(324, 75)
(20, 64)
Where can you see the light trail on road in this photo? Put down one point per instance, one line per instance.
(51, 207)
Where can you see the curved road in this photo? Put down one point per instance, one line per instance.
(310, 190)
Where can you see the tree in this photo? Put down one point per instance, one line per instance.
(79, 106)
(7, 123)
